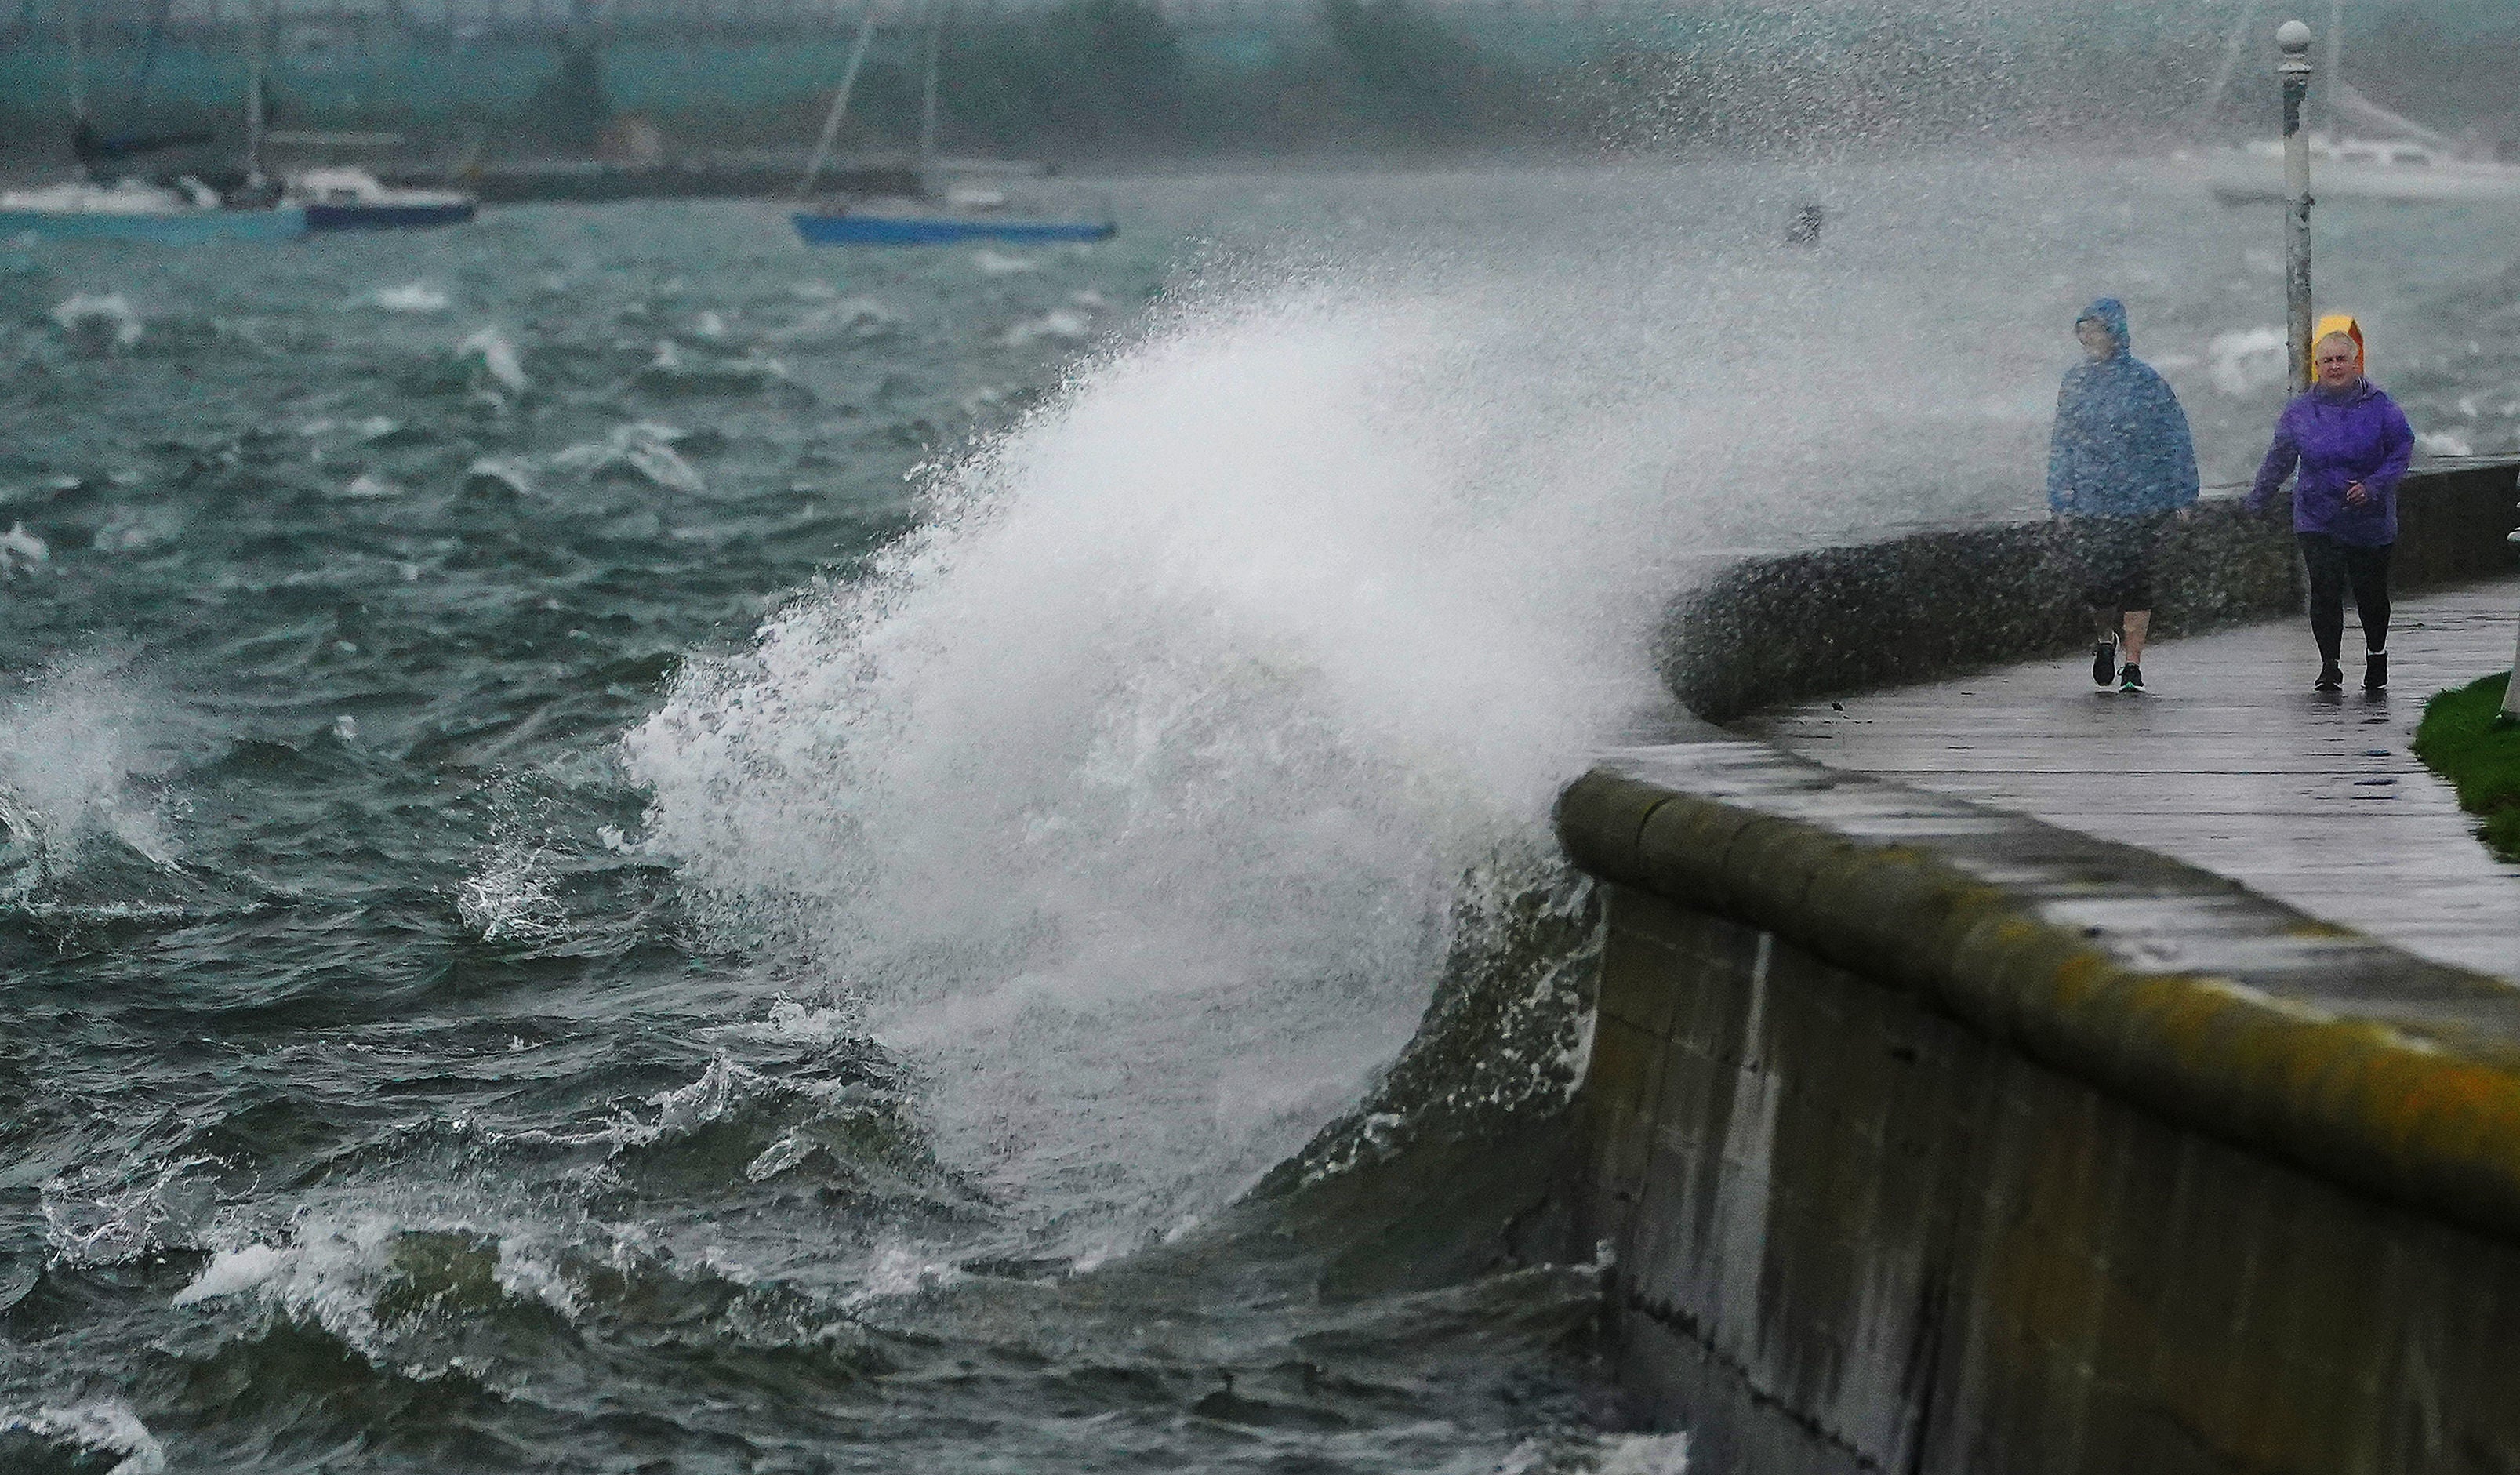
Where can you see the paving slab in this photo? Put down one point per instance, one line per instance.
(2230, 763)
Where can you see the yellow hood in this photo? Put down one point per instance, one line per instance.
(2335, 322)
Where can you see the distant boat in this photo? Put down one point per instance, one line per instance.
(965, 214)
(2395, 171)
(339, 198)
(2396, 161)
(933, 222)
(187, 212)
(130, 210)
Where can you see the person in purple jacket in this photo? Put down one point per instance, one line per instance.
(2352, 444)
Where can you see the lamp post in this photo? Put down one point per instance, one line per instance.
(2509, 716)
(2292, 38)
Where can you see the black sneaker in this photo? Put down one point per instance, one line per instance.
(2330, 679)
(2375, 671)
(2104, 664)
(2131, 679)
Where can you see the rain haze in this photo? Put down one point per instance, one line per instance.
(796, 737)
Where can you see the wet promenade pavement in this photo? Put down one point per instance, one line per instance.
(2230, 763)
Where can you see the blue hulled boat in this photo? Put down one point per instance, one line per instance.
(854, 227)
(343, 199)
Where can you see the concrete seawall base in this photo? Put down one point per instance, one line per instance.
(1853, 1235)
(1934, 1140)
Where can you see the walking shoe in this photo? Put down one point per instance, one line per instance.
(2375, 671)
(2131, 679)
(2330, 679)
(2104, 663)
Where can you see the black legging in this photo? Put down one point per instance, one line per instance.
(2333, 569)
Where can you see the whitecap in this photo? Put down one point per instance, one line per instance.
(635, 450)
(107, 1424)
(233, 1271)
(858, 319)
(1000, 264)
(1059, 323)
(99, 320)
(498, 357)
(367, 484)
(410, 297)
(2443, 443)
(495, 473)
(21, 550)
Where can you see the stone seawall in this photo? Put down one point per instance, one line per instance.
(1933, 1139)
(1787, 626)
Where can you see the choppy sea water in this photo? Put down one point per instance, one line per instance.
(633, 847)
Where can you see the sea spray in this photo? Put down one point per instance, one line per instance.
(74, 761)
(1130, 798)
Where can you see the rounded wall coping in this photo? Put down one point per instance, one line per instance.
(2419, 1105)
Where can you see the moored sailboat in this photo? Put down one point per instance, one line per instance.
(927, 218)
(187, 212)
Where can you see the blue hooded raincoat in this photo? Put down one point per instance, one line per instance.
(2121, 447)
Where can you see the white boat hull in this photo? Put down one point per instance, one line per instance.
(2248, 177)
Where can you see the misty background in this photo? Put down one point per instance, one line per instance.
(1138, 82)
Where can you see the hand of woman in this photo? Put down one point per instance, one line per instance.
(2356, 494)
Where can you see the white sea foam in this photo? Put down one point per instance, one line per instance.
(111, 1217)
(411, 297)
(497, 357)
(1003, 265)
(2247, 360)
(643, 450)
(858, 319)
(502, 474)
(1060, 325)
(233, 1271)
(21, 551)
(108, 1424)
(509, 896)
(99, 321)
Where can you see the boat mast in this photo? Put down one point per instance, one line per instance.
(2335, 78)
(927, 95)
(77, 65)
(253, 95)
(840, 104)
(2230, 61)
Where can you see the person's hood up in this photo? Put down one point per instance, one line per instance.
(2110, 313)
(2336, 322)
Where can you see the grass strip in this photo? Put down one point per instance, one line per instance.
(2458, 740)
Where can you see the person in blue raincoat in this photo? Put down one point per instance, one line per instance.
(2121, 466)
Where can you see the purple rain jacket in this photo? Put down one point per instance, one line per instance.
(2359, 435)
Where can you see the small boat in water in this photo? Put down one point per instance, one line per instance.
(2394, 171)
(131, 211)
(965, 212)
(340, 197)
(961, 215)
(181, 211)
